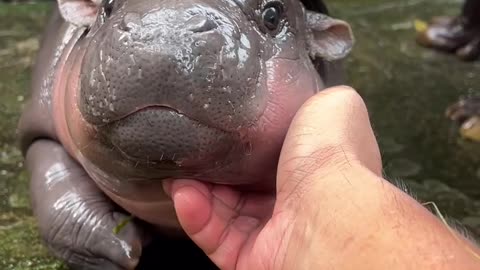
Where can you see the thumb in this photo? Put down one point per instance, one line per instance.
(330, 132)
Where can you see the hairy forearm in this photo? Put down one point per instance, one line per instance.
(361, 221)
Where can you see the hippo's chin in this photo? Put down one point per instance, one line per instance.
(164, 138)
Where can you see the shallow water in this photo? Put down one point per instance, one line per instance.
(406, 87)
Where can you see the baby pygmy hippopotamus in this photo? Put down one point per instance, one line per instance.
(129, 93)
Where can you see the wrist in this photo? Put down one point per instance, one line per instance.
(354, 219)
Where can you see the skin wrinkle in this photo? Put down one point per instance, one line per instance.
(76, 255)
(316, 160)
(77, 226)
(285, 233)
(231, 219)
(227, 231)
(230, 223)
(309, 173)
(203, 226)
(351, 185)
(295, 233)
(54, 231)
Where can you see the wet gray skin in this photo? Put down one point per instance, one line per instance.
(129, 93)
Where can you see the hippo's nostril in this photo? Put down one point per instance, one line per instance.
(200, 23)
(131, 20)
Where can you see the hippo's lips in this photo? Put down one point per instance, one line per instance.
(162, 107)
(163, 135)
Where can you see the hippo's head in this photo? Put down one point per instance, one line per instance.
(201, 89)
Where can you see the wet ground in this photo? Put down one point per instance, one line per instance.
(407, 89)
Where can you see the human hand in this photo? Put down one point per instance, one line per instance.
(331, 210)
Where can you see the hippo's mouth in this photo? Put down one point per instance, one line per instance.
(166, 108)
(162, 135)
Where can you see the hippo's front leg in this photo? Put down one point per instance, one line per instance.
(76, 220)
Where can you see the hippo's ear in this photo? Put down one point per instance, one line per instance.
(328, 38)
(79, 12)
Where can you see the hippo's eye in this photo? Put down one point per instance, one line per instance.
(272, 15)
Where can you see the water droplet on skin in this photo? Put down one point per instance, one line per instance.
(244, 41)
(123, 38)
(199, 43)
(110, 106)
(92, 77)
(205, 106)
(109, 60)
(133, 59)
(190, 97)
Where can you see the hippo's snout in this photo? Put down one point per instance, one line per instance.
(201, 63)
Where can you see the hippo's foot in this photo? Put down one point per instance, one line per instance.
(76, 221)
(466, 114)
(452, 35)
